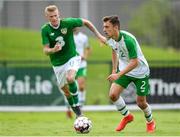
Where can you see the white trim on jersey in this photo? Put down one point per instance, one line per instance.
(142, 70)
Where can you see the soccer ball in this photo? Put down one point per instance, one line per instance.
(82, 125)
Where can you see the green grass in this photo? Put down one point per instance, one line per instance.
(97, 85)
(19, 44)
(56, 124)
(154, 53)
(16, 44)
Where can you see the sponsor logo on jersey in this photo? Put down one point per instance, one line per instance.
(64, 31)
(52, 34)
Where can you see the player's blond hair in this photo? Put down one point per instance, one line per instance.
(50, 8)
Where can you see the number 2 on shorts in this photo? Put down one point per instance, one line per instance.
(143, 86)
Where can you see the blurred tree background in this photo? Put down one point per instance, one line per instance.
(156, 23)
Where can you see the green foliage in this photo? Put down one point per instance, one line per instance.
(147, 21)
(156, 22)
(171, 28)
(104, 123)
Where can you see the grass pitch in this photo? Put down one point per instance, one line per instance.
(104, 123)
(21, 44)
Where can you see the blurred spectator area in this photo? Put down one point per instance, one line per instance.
(30, 14)
(153, 22)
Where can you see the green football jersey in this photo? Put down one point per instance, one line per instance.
(64, 35)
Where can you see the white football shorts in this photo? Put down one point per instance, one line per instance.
(61, 71)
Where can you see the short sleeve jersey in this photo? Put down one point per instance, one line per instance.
(64, 35)
(128, 48)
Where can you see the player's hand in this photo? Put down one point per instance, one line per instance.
(101, 44)
(114, 71)
(113, 77)
(57, 47)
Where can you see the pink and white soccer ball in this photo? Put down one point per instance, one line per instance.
(82, 125)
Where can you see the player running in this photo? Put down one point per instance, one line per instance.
(133, 67)
(58, 43)
(83, 48)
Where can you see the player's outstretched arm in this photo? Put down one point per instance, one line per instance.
(91, 27)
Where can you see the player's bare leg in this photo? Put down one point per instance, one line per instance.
(144, 106)
(120, 105)
(68, 111)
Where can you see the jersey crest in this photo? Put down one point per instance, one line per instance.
(64, 31)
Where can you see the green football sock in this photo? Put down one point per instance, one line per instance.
(76, 100)
(148, 113)
(76, 109)
(70, 100)
(73, 87)
(74, 93)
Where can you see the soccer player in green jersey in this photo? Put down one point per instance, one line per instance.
(83, 48)
(58, 44)
(133, 67)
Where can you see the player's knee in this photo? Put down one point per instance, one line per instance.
(81, 87)
(67, 94)
(141, 104)
(113, 96)
(141, 101)
(70, 79)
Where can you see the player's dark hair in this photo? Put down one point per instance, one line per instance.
(113, 20)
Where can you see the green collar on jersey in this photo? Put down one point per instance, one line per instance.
(120, 36)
